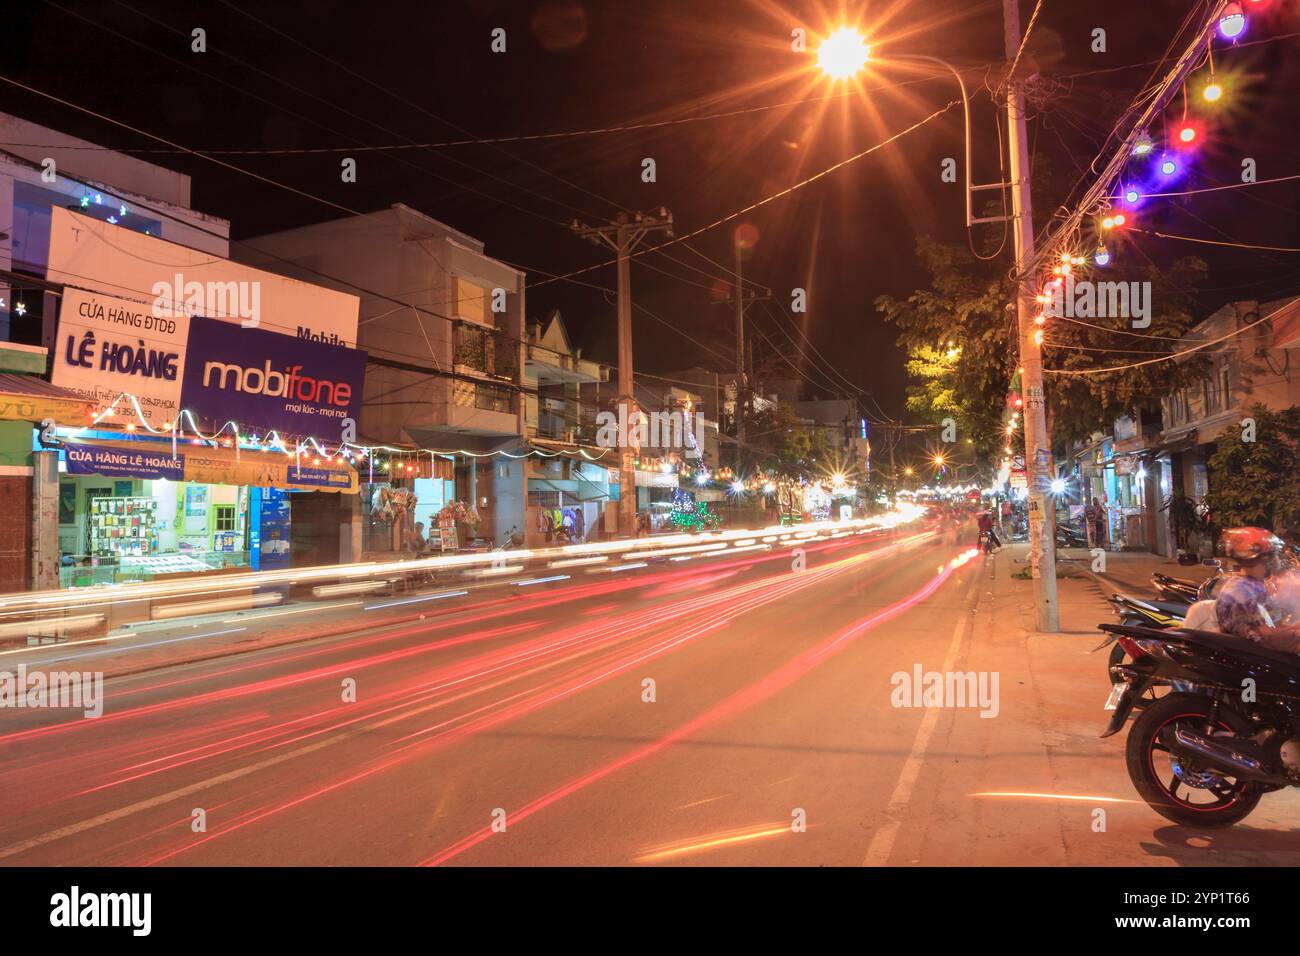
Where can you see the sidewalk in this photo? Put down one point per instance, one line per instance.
(1037, 785)
(1126, 571)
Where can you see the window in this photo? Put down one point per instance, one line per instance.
(471, 302)
(1210, 393)
(224, 517)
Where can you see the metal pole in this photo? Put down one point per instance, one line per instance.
(1038, 445)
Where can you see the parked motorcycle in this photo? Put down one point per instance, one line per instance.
(1133, 612)
(1068, 536)
(1204, 754)
(1174, 589)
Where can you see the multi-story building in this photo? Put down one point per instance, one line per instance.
(1251, 366)
(843, 430)
(569, 476)
(443, 325)
(1153, 464)
(112, 289)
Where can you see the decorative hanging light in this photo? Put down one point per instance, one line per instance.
(1232, 21)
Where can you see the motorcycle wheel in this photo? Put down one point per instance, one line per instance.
(1216, 800)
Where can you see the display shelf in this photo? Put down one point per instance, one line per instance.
(123, 527)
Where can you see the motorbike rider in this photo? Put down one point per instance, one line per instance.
(987, 535)
(1241, 605)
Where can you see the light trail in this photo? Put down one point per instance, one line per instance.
(150, 590)
(493, 714)
(713, 842)
(742, 700)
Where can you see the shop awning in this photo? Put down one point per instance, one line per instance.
(26, 398)
(220, 466)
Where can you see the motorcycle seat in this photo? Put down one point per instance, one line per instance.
(1174, 608)
(1240, 647)
(1212, 639)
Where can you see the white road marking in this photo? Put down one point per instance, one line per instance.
(882, 841)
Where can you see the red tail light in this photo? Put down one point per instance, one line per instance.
(1131, 647)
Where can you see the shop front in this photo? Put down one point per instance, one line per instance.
(132, 509)
(568, 496)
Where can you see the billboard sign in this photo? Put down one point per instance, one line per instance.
(269, 381)
(116, 462)
(174, 280)
(108, 346)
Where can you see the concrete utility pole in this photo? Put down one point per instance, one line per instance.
(741, 300)
(623, 235)
(740, 360)
(1038, 444)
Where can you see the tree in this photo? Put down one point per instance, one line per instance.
(779, 440)
(968, 305)
(1258, 482)
(956, 336)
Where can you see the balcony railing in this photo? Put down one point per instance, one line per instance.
(482, 395)
(486, 351)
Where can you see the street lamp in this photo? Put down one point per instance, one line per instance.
(846, 50)
(843, 53)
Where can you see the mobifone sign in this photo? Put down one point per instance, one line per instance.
(293, 385)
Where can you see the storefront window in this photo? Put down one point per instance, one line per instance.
(128, 530)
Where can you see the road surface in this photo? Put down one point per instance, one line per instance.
(742, 710)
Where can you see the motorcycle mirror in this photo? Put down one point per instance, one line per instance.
(1212, 563)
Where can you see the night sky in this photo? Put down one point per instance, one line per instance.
(393, 73)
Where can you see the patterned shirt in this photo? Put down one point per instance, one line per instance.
(1240, 607)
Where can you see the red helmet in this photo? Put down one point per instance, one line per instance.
(1246, 544)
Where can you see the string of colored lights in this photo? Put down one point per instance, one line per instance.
(1142, 168)
(274, 441)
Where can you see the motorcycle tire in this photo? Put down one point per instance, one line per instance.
(1149, 760)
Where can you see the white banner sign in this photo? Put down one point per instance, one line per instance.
(174, 280)
(107, 346)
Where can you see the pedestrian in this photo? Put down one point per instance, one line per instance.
(1100, 524)
(418, 542)
(1090, 523)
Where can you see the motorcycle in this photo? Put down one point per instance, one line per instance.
(1133, 612)
(1174, 589)
(1204, 754)
(1068, 536)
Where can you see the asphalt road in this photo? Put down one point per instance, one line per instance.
(722, 712)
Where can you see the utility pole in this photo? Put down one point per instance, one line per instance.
(741, 300)
(1038, 445)
(893, 468)
(740, 360)
(623, 235)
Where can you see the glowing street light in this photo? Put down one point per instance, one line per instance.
(843, 53)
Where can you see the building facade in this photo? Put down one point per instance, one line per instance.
(147, 374)
(443, 326)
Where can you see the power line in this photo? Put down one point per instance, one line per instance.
(1166, 358)
(767, 199)
(416, 106)
(1215, 242)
